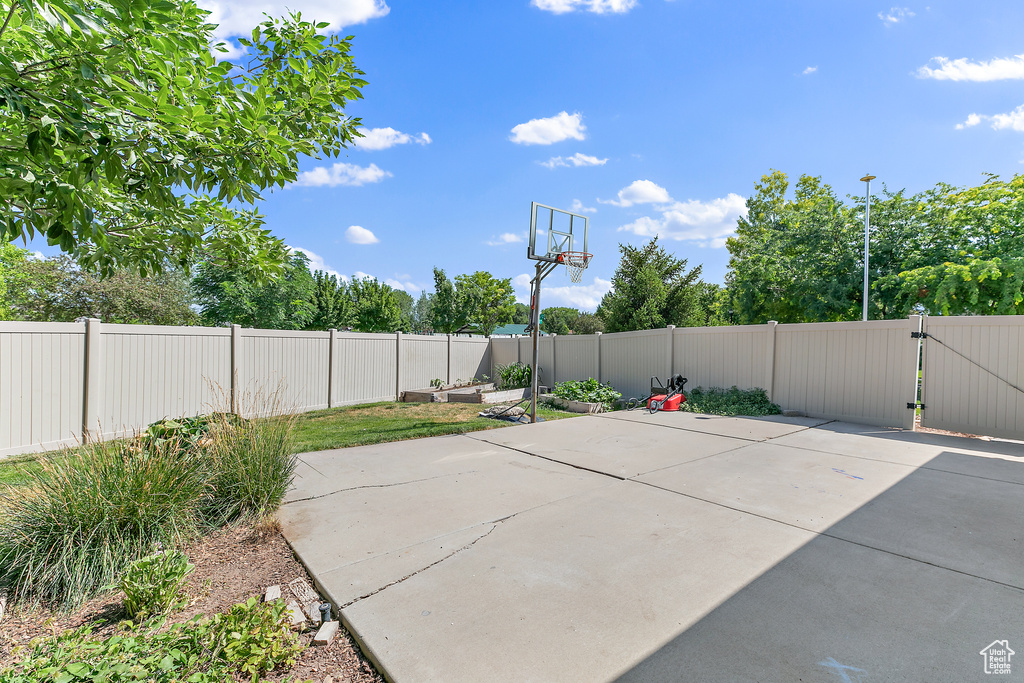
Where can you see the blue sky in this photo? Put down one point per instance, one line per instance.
(656, 116)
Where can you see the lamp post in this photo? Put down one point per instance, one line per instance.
(867, 225)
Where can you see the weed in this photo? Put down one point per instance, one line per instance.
(732, 401)
(514, 375)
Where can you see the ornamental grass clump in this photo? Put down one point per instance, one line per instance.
(251, 466)
(91, 512)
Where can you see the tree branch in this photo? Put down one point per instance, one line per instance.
(10, 14)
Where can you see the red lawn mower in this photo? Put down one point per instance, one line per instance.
(666, 397)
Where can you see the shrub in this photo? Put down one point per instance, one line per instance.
(152, 584)
(587, 391)
(251, 638)
(90, 513)
(515, 375)
(732, 401)
(251, 465)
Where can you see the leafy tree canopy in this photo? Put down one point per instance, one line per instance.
(128, 144)
(559, 320)
(228, 296)
(449, 310)
(650, 289)
(376, 307)
(58, 290)
(489, 301)
(332, 303)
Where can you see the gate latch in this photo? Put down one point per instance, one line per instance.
(912, 406)
(918, 335)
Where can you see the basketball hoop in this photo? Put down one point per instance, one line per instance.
(575, 263)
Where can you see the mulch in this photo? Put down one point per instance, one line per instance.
(231, 566)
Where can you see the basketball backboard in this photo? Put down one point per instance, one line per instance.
(553, 231)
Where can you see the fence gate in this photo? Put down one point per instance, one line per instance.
(972, 375)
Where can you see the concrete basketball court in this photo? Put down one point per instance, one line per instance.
(670, 547)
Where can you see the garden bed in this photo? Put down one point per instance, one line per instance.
(573, 406)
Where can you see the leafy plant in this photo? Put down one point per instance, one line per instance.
(516, 375)
(732, 401)
(250, 639)
(152, 584)
(437, 383)
(587, 391)
(91, 512)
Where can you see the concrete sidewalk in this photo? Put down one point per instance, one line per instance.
(669, 547)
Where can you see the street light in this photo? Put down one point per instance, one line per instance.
(867, 224)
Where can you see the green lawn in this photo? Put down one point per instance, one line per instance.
(383, 422)
(349, 426)
(19, 470)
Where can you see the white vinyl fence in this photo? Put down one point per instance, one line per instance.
(62, 383)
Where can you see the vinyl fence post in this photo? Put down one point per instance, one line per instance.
(769, 380)
(670, 334)
(332, 338)
(597, 346)
(398, 366)
(93, 381)
(916, 323)
(236, 351)
(554, 346)
(448, 376)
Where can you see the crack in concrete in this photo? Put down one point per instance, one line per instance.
(377, 486)
(455, 552)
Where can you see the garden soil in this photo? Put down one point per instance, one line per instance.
(231, 566)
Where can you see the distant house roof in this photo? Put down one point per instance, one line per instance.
(510, 330)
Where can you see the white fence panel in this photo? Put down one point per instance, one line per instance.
(424, 359)
(470, 358)
(288, 367)
(41, 385)
(980, 397)
(151, 372)
(630, 359)
(576, 357)
(854, 371)
(738, 356)
(365, 368)
(504, 351)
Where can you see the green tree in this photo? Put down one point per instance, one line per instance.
(332, 303)
(559, 320)
(650, 289)
(490, 301)
(588, 323)
(12, 260)
(58, 290)
(521, 314)
(128, 144)
(406, 304)
(450, 310)
(422, 312)
(228, 296)
(376, 307)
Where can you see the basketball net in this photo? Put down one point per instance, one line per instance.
(575, 263)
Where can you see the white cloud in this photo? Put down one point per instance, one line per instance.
(705, 223)
(972, 120)
(382, 138)
(505, 238)
(810, 70)
(360, 275)
(577, 159)
(236, 18)
(408, 287)
(316, 262)
(583, 297)
(342, 174)
(1013, 120)
(943, 69)
(640, 192)
(595, 6)
(895, 15)
(577, 207)
(561, 126)
(357, 234)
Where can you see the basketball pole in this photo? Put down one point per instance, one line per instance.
(543, 268)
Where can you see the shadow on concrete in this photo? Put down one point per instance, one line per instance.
(911, 586)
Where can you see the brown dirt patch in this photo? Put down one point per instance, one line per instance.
(231, 566)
